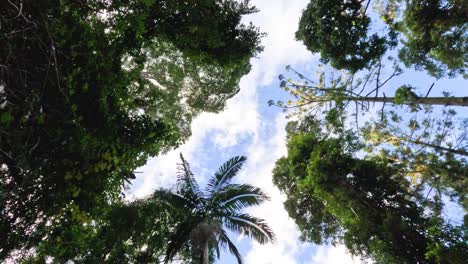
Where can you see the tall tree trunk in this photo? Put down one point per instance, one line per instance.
(456, 101)
(450, 150)
(205, 258)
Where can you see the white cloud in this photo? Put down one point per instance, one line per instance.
(262, 156)
(279, 19)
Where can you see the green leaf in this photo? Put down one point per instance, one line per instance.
(6, 117)
(41, 119)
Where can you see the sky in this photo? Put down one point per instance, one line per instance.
(249, 127)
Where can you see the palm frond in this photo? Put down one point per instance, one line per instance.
(179, 238)
(253, 227)
(216, 247)
(225, 241)
(186, 183)
(235, 197)
(224, 174)
(174, 200)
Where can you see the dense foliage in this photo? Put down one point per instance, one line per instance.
(433, 34)
(366, 203)
(90, 89)
(135, 232)
(338, 30)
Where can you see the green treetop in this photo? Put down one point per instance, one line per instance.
(338, 30)
(432, 33)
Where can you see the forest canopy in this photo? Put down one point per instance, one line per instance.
(373, 162)
(376, 145)
(90, 90)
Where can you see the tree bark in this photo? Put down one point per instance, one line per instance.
(456, 101)
(205, 258)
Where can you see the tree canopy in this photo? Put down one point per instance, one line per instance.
(91, 89)
(432, 33)
(382, 189)
(127, 232)
(187, 224)
(338, 30)
(365, 203)
(432, 151)
(435, 35)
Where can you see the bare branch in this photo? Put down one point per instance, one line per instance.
(430, 88)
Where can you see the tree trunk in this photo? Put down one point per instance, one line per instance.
(205, 258)
(450, 150)
(456, 101)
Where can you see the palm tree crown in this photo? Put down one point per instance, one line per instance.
(208, 212)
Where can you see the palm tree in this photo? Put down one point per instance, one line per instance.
(208, 212)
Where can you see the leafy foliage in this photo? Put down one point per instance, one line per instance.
(405, 94)
(135, 232)
(90, 90)
(365, 203)
(436, 36)
(431, 150)
(384, 198)
(338, 30)
(433, 34)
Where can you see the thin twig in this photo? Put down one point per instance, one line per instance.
(6, 154)
(430, 190)
(367, 6)
(356, 115)
(430, 88)
(35, 146)
(382, 111)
